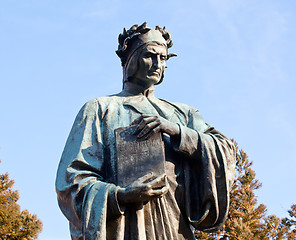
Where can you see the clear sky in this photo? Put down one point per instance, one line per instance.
(236, 63)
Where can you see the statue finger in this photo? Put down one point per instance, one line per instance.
(146, 178)
(139, 119)
(159, 192)
(143, 123)
(159, 182)
(147, 129)
(153, 131)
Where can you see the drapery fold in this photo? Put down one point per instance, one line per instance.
(200, 170)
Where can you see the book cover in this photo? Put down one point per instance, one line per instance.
(137, 157)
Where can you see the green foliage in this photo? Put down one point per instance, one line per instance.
(14, 223)
(246, 219)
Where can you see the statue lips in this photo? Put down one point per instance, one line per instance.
(154, 72)
(154, 75)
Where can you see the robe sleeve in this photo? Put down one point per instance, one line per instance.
(84, 196)
(208, 171)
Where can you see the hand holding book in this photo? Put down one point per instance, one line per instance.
(143, 189)
(148, 125)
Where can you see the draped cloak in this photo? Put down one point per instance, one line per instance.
(199, 167)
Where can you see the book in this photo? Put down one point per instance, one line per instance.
(138, 157)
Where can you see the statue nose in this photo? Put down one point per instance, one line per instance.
(156, 61)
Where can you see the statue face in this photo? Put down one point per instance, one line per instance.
(151, 65)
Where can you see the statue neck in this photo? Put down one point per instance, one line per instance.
(132, 89)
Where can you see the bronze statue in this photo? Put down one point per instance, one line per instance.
(199, 160)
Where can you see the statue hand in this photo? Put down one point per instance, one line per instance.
(148, 125)
(143, 189)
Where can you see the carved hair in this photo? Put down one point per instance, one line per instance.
(125, 39)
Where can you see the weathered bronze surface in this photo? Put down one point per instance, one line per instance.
(190, 190)
(137, 157)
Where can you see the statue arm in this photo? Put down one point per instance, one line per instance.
(209, 172)
(84, 196)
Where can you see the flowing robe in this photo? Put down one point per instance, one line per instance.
(199, 167)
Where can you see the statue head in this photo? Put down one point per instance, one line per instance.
(139, 41)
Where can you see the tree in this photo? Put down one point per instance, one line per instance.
(275, 228)
(14, 223)
(290, 223)
(244, 214)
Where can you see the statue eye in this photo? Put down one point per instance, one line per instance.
(147, 55)
(163, 57)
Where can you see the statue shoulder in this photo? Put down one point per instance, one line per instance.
(181, 107)
(98, 105)
(192, 115)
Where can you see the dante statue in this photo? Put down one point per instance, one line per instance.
(199, 160)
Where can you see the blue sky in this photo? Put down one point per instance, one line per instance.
(236, 64)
